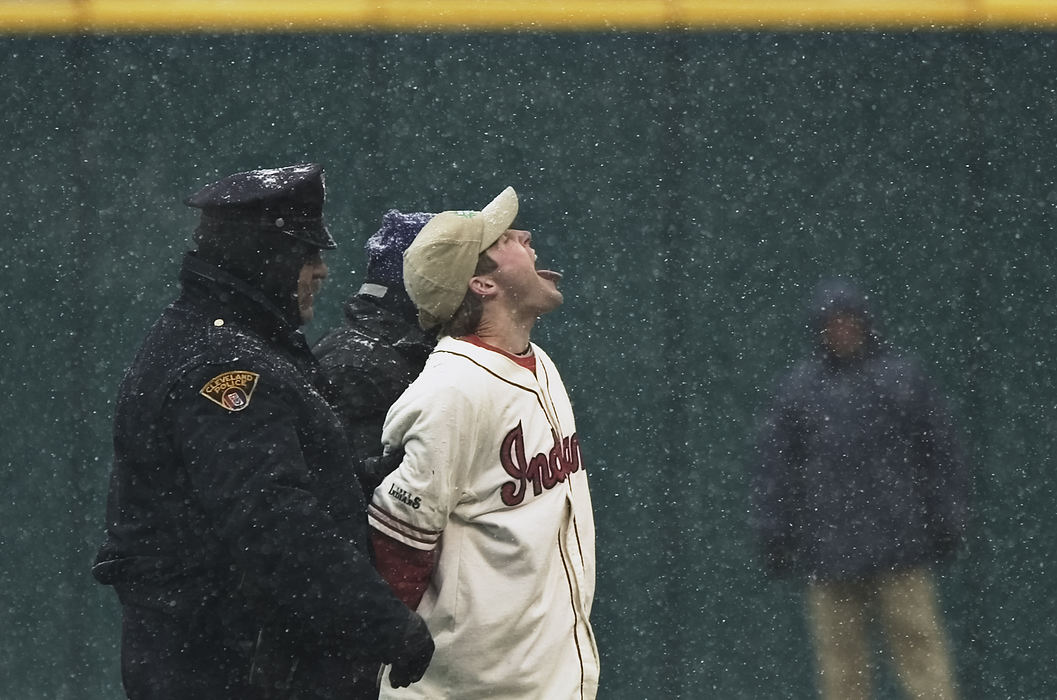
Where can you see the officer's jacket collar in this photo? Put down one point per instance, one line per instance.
(366, 312)
(392, 298)
(232, 296)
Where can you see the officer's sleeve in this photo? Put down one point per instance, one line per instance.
(297, 537)
(356, 397)
(358, 402)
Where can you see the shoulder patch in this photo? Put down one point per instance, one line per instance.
(232, 390)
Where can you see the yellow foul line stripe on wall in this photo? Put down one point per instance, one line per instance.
(166, 16)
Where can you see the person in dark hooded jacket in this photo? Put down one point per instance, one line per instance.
(380, 349)
(860, 488)
(236, 537)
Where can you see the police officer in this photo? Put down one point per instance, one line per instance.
(236, 536)
(380, 349)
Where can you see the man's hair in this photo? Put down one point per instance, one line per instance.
(468, 316)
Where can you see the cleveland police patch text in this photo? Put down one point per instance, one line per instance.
(232, 390)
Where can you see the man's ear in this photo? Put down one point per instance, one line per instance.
(483, 286)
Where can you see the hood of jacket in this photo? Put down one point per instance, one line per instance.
(841, 296)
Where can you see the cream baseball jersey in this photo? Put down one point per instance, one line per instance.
(492, 479)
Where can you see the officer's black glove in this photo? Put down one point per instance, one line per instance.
(376, 468)
(412, 659)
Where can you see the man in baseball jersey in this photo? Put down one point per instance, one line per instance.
(486, 526)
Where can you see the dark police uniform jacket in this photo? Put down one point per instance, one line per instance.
(233, 512)
(370, 361)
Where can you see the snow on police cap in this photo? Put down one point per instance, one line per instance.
(440, 261)
(288, 200)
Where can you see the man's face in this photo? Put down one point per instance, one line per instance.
(844, 335)
(309, 281)
(523, 286)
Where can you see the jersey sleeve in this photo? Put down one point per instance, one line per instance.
(437, 429)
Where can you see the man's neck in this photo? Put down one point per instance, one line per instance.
(505, 332)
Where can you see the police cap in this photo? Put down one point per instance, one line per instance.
(288, 200)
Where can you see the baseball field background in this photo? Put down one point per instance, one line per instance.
(692, 167)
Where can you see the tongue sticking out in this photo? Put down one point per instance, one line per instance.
(550, 275)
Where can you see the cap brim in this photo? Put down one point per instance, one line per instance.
(318, 236)
(498, 215)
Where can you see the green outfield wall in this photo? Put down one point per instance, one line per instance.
(692, 186)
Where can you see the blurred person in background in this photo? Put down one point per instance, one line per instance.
(859, 489)
(236, 536)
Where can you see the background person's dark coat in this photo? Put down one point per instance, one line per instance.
(858, 470)
(370, 361)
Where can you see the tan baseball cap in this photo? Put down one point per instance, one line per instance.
(440, 262)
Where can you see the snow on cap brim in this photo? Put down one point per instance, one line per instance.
(498, 215)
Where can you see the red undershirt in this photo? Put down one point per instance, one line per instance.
(526, 361)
